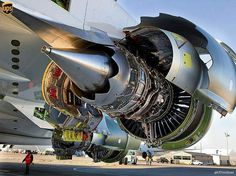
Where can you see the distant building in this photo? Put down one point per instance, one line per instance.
(219, 155)
(209, 157)
(233, 158)
(222, 160)
(210, 151)
(181, 157)
(203, 157)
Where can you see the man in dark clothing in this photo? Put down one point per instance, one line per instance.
(149, 158)
(28, 160)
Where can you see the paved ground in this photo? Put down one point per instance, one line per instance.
(10, 165)
(16, 169)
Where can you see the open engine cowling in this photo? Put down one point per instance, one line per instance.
(153, 81)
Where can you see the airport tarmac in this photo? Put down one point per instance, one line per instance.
(48, 166)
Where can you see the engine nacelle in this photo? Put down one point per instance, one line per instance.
(154, 80)
(220, 91)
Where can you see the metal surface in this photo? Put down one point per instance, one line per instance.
(187, 69)
(9, 76)
(16, 128)
(194, 136)
(108, 142)
(99, 15)
(20, 84)
(118, 83)
(81, 15)
(229, 50)
(23, 140)
(222, 76)
(63, 108)
(153, 79)
(27, 108)
(158, 111)
(27, 79)
(154, 91)
(220, 92)
(52, 30)
(115, 137)
(89, 70)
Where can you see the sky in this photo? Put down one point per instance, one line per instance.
(217, 17)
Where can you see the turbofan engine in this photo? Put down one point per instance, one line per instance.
(78, 125)
(153, 81)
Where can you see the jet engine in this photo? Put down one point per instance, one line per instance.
(78, 125)
(155, 81)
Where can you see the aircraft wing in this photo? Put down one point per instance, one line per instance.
(20, 84)
(16, 128)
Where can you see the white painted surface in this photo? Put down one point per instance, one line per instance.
(27, 108)
(105, 15)
(46, 9)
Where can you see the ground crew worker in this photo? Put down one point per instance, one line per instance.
(28, 160)
(149, 158)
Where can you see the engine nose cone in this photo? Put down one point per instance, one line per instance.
(89, 70)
